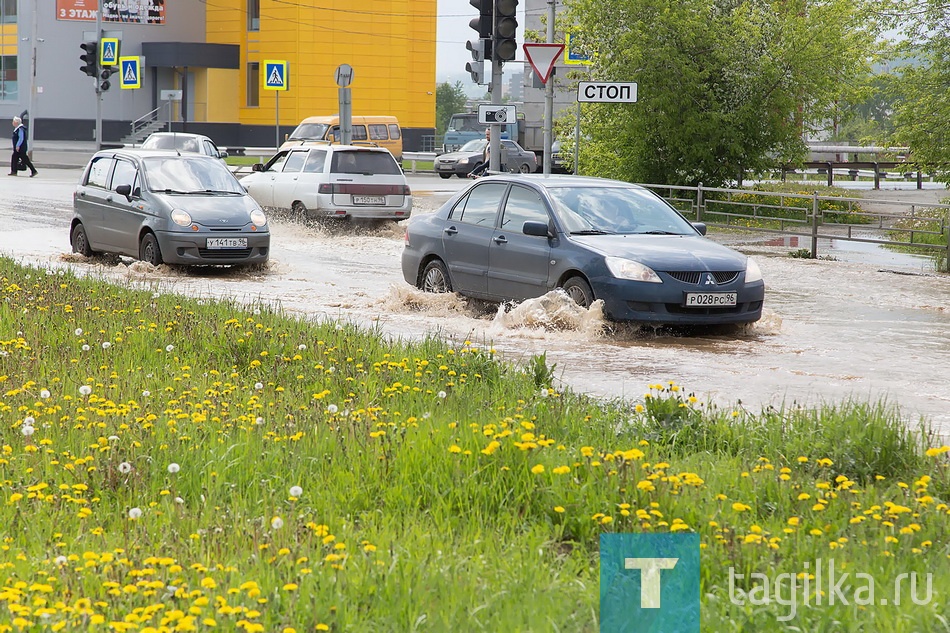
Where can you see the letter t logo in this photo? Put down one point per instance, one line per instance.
(649, 578)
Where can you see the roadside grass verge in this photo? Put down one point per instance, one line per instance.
(169, 463)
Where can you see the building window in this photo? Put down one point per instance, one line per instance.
(253, 84)
(253, 15)
(9, 89)
(8, 11)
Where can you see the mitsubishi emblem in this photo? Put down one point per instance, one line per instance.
(710, 280)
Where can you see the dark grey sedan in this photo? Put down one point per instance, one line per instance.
(164, 207)
(510, 238)
(472, 154)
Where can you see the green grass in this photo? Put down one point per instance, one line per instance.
(440, 488)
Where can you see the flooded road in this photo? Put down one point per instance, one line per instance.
(871, 327)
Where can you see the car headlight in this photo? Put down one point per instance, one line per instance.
(628, 269)
(752, 271)
(258, 217)
(463, 161)
(181, 217)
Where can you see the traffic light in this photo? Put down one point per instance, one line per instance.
(107, 72)
(504, 46)
(482, 23)
(90, 58)
(477, 66)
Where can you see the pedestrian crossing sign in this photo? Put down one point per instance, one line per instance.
(109, 51)
(275, 75)
(130, 72)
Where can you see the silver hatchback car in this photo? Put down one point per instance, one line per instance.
(162, 207)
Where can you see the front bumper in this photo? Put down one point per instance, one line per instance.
(191, 248)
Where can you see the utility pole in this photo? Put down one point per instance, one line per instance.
(30, 103)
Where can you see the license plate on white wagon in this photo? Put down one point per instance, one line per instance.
(710, 299)
(369, 200)
(227, 242)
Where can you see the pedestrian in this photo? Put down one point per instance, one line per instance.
(20, 160)
(483, 167)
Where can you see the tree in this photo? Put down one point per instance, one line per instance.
(723, 85)
(449, 99)
(922, 115)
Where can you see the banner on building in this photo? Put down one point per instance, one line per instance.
(127, 11)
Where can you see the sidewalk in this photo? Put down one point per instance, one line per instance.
(62, 154)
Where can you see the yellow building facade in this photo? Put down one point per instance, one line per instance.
(389, 43)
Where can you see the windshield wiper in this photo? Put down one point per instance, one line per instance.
(172, 191)
(212, 192)
(593, 232)
(657, 232)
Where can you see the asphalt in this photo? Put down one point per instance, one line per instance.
(62, 154)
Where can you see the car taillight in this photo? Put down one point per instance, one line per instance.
(406, 191)
(325, 188)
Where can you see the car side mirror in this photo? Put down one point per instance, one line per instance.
(125, 190)
(257, 167)
(700, 226)
(537, 229)
(222, 154)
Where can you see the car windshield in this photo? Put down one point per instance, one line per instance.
(466, 123)
(309, 132)
(364, 162)
(475, 145)
(180, 142)
(608, 210)
(177, 174)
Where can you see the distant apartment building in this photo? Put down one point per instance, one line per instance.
(214, 54)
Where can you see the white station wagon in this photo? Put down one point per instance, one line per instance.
(318, 180)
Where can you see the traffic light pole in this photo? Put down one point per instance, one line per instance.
(494, 143)
(96, 80)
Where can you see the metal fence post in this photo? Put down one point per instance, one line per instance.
(814, 225)
(699, 202)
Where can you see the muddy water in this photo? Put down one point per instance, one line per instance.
(831, 329)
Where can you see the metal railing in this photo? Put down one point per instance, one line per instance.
(815, 217)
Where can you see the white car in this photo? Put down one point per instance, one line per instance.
(184, 142)
(319, 180)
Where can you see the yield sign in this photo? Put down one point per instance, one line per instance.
(542, 58)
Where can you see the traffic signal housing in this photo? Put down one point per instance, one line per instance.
(477, 66)
(482, 23)
(90, 58)
(107, 72)
(504, 47)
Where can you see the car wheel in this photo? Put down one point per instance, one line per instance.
(298, 212)
(149, 251)
(580, 291)
(525, 168)
(445, 176)
(79, 241)
(435, 278)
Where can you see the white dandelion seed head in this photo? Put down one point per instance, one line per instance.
(296, 491)
(332, 369)
(426, 415)
(301, 347)
(339, 326)
(442, 395)
(113, 438)
(29, 421)
(60, 560)
(85, 348)
(276, 523)
(173, 468)
(146, 393)
(259, 421)
(106, 345)
(27, 430)
(78, 331)
(179, 500)
(44, 394)
(156, 295)
(85, 390)
(258, 385)
(544, 393)
(332, 408)
(125, 468)
(135, 513)
(257, 311)
(169, 348)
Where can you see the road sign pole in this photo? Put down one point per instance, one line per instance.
(277, 115)
(547, 130)
(96, 80)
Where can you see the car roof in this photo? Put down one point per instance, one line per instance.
(137, 152)
(560, 180)
(184, 134)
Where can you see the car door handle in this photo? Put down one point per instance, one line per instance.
(451, 230)
(501, 239)
(108, 198)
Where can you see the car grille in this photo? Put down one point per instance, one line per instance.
(231, 253)
(691, 277)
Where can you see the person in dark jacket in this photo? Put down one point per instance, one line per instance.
(20, 156)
